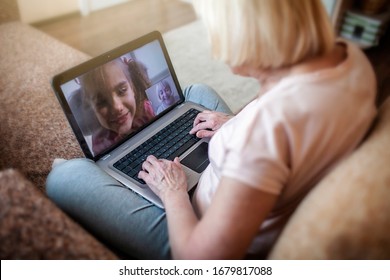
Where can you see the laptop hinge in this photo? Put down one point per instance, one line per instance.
(106, 157)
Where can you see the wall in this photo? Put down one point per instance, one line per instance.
(40, 10)
(9, 10)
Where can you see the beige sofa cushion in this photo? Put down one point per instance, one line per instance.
(347, 216)
(32, 227)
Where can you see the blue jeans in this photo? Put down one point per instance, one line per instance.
(130, 224)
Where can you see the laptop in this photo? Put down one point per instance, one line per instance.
(127, 104)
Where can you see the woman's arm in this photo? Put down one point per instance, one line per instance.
(229, 225)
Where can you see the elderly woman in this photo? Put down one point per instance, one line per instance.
(166, 96)
(315, 106)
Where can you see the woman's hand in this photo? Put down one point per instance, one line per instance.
(163, 176)
(207, 123)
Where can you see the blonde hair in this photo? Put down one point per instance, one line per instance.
(267, 34)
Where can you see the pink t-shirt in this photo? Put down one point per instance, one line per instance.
(285, 141)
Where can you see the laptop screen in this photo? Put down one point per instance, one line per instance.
(117, 94)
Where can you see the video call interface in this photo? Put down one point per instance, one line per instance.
(120, 97)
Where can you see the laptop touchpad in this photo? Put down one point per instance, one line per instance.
(198, 159)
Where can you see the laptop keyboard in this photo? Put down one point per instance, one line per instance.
(170, 142)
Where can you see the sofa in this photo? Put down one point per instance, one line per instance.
(346, 216)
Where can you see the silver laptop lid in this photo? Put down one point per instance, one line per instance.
(112, 97)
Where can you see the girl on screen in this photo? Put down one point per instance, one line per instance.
(116, 94)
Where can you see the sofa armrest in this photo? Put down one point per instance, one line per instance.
(32, 227)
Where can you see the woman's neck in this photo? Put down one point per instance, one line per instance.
(269, 78)
(330, 60)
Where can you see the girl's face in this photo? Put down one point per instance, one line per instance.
(115, 103)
